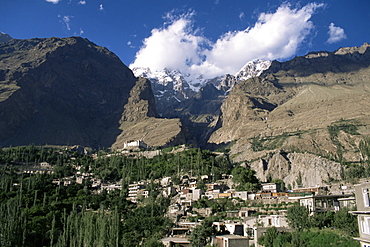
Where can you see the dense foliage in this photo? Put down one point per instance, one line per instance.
(311, 238)
(320, 229)
(39, 213)
(196, 162)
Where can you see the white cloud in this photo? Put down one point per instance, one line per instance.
(53, 1)
(82, 2)
(336, 34)
(101, 7)
(178, 46)
(175, 47)
(241, 15)
(66, 20)
(129, 43)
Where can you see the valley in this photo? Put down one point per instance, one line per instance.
(69, 108)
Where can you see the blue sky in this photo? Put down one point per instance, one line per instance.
(209, 37)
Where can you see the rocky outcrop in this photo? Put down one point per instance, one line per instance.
(141, 104)
(297, 169)
(4, 37)
(139, 120)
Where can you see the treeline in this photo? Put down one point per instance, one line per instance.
(195, 162)
(36, 212)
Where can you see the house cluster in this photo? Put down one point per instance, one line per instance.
(248, 223)
(241, 227)
(42, 168)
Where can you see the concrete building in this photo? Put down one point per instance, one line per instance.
(136, 189)
(255, 227)
(362, 192)
(232, 227)
(135, 145)
(271, 187)
(175, 241)
(324, 203)
(230, 241)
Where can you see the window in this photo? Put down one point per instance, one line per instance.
(365, 225)
(366, 197)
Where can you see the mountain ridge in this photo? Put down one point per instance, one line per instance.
(313, 109)
(48, 89)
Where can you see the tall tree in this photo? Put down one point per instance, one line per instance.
(298, 217)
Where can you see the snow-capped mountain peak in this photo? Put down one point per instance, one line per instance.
(176, 86)
(252, 69)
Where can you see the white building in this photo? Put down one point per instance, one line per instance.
(271, 187)
(362, 192)
(134, 144)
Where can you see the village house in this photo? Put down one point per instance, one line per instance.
(110, 187)
(45, 165)
(234, 228)
(213, 194)
(323, 203)
(139, 144)
(271, 187)
(362, 192)
(230, 241)
(137, 189)
(175, 241)
(240, 194)
(255, 227)
(247, 212)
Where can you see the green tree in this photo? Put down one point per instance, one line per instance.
(326, 238)
(269, 237)
(201, 233)
(281, 182)
(346, 221)
(245, 178)
(321, 220)
(298, 217)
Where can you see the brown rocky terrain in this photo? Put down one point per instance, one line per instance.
(318, 103)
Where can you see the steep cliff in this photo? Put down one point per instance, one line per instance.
(297, 169)
(139, 120)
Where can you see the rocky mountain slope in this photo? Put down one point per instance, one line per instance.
(317, 103)
(60, 92)
(4, 37)
(140, 120)
(68, 91)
